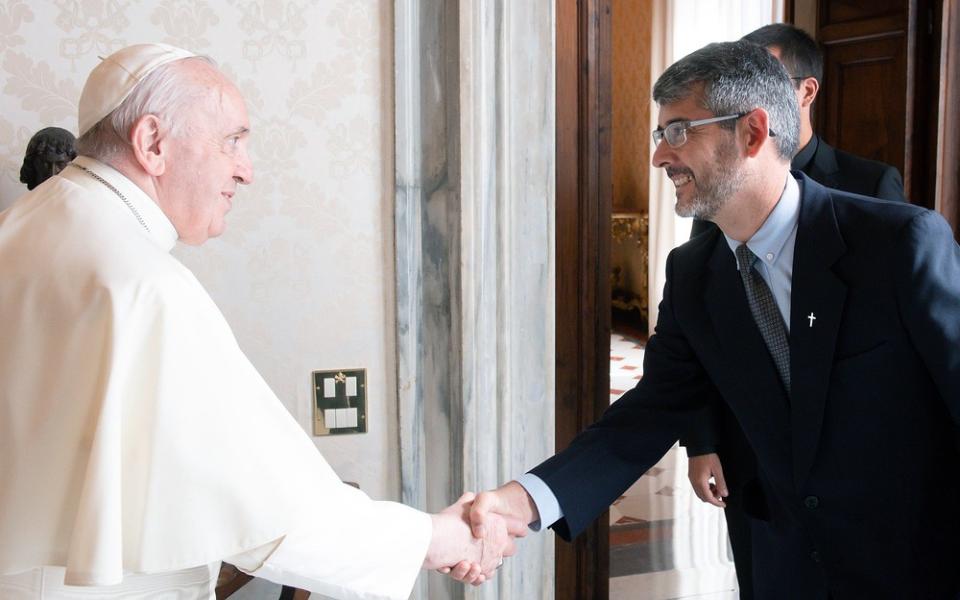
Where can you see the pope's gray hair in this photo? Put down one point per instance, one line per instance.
(166, 92)
(733, 78)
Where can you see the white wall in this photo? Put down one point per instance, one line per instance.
(304, 273)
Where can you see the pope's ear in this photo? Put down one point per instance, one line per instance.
(148, 141)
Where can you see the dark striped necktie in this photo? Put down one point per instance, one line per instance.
(765, 313)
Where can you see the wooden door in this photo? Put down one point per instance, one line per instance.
(880, 85)
(583, 211)
(948, 132)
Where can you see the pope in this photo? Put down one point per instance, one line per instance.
(138, 445)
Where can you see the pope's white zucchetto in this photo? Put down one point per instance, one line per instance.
(117, 75)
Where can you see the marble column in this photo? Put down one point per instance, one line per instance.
(475, 259)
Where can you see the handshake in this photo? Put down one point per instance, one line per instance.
(472, 536)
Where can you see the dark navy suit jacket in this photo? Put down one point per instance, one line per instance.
(860, 470)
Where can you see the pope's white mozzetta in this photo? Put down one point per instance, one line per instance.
(136, 437)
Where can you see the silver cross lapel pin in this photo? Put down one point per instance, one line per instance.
(812, 318)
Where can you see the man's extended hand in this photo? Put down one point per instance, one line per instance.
(508, 506)
(509, 501)
(700, 470)
(454, 550)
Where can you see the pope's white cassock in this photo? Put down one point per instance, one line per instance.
(138, 445)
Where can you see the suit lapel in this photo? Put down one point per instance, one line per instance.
(816, 291)
(745, 356)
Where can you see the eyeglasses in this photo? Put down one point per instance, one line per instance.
(676, 133)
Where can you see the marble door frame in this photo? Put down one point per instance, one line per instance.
(475, 259)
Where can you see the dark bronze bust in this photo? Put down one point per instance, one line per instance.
(48, 152)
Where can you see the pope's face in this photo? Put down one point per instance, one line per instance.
(207, 162)
(705, 169)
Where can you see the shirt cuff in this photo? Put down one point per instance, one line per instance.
(545, 500)
(700, 450)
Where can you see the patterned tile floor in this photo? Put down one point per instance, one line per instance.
(626, 364)
(642, 521)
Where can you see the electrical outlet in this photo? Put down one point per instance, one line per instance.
(339, 401)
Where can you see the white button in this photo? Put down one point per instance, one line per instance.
(769, 255)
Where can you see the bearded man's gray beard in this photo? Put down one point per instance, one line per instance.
(714, 188)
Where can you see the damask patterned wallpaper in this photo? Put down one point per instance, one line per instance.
(631, 32)
(304, 273)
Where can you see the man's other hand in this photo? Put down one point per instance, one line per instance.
(700, 471)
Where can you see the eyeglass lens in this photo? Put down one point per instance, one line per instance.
(674, 133)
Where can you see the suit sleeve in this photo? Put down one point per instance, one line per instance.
(928, 293)
(635, 432)
(703, 436)
(890, 186)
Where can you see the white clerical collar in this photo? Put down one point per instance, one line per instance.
(769, 241)
(141, 206)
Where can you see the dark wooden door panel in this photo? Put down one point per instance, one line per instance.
(842, 11)
(948, 156)
(583, 210)
(865, 98)
(887, 80)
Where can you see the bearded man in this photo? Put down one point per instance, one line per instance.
(827, 323)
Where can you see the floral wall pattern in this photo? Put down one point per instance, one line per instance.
(304, 273)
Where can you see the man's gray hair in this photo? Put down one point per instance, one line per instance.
(166, 92)
(733, 78)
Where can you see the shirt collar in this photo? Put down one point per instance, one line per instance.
(161, 230)
(768, 242)
(802, 159)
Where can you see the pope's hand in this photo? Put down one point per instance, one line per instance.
(454, 550)
(507, 510)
